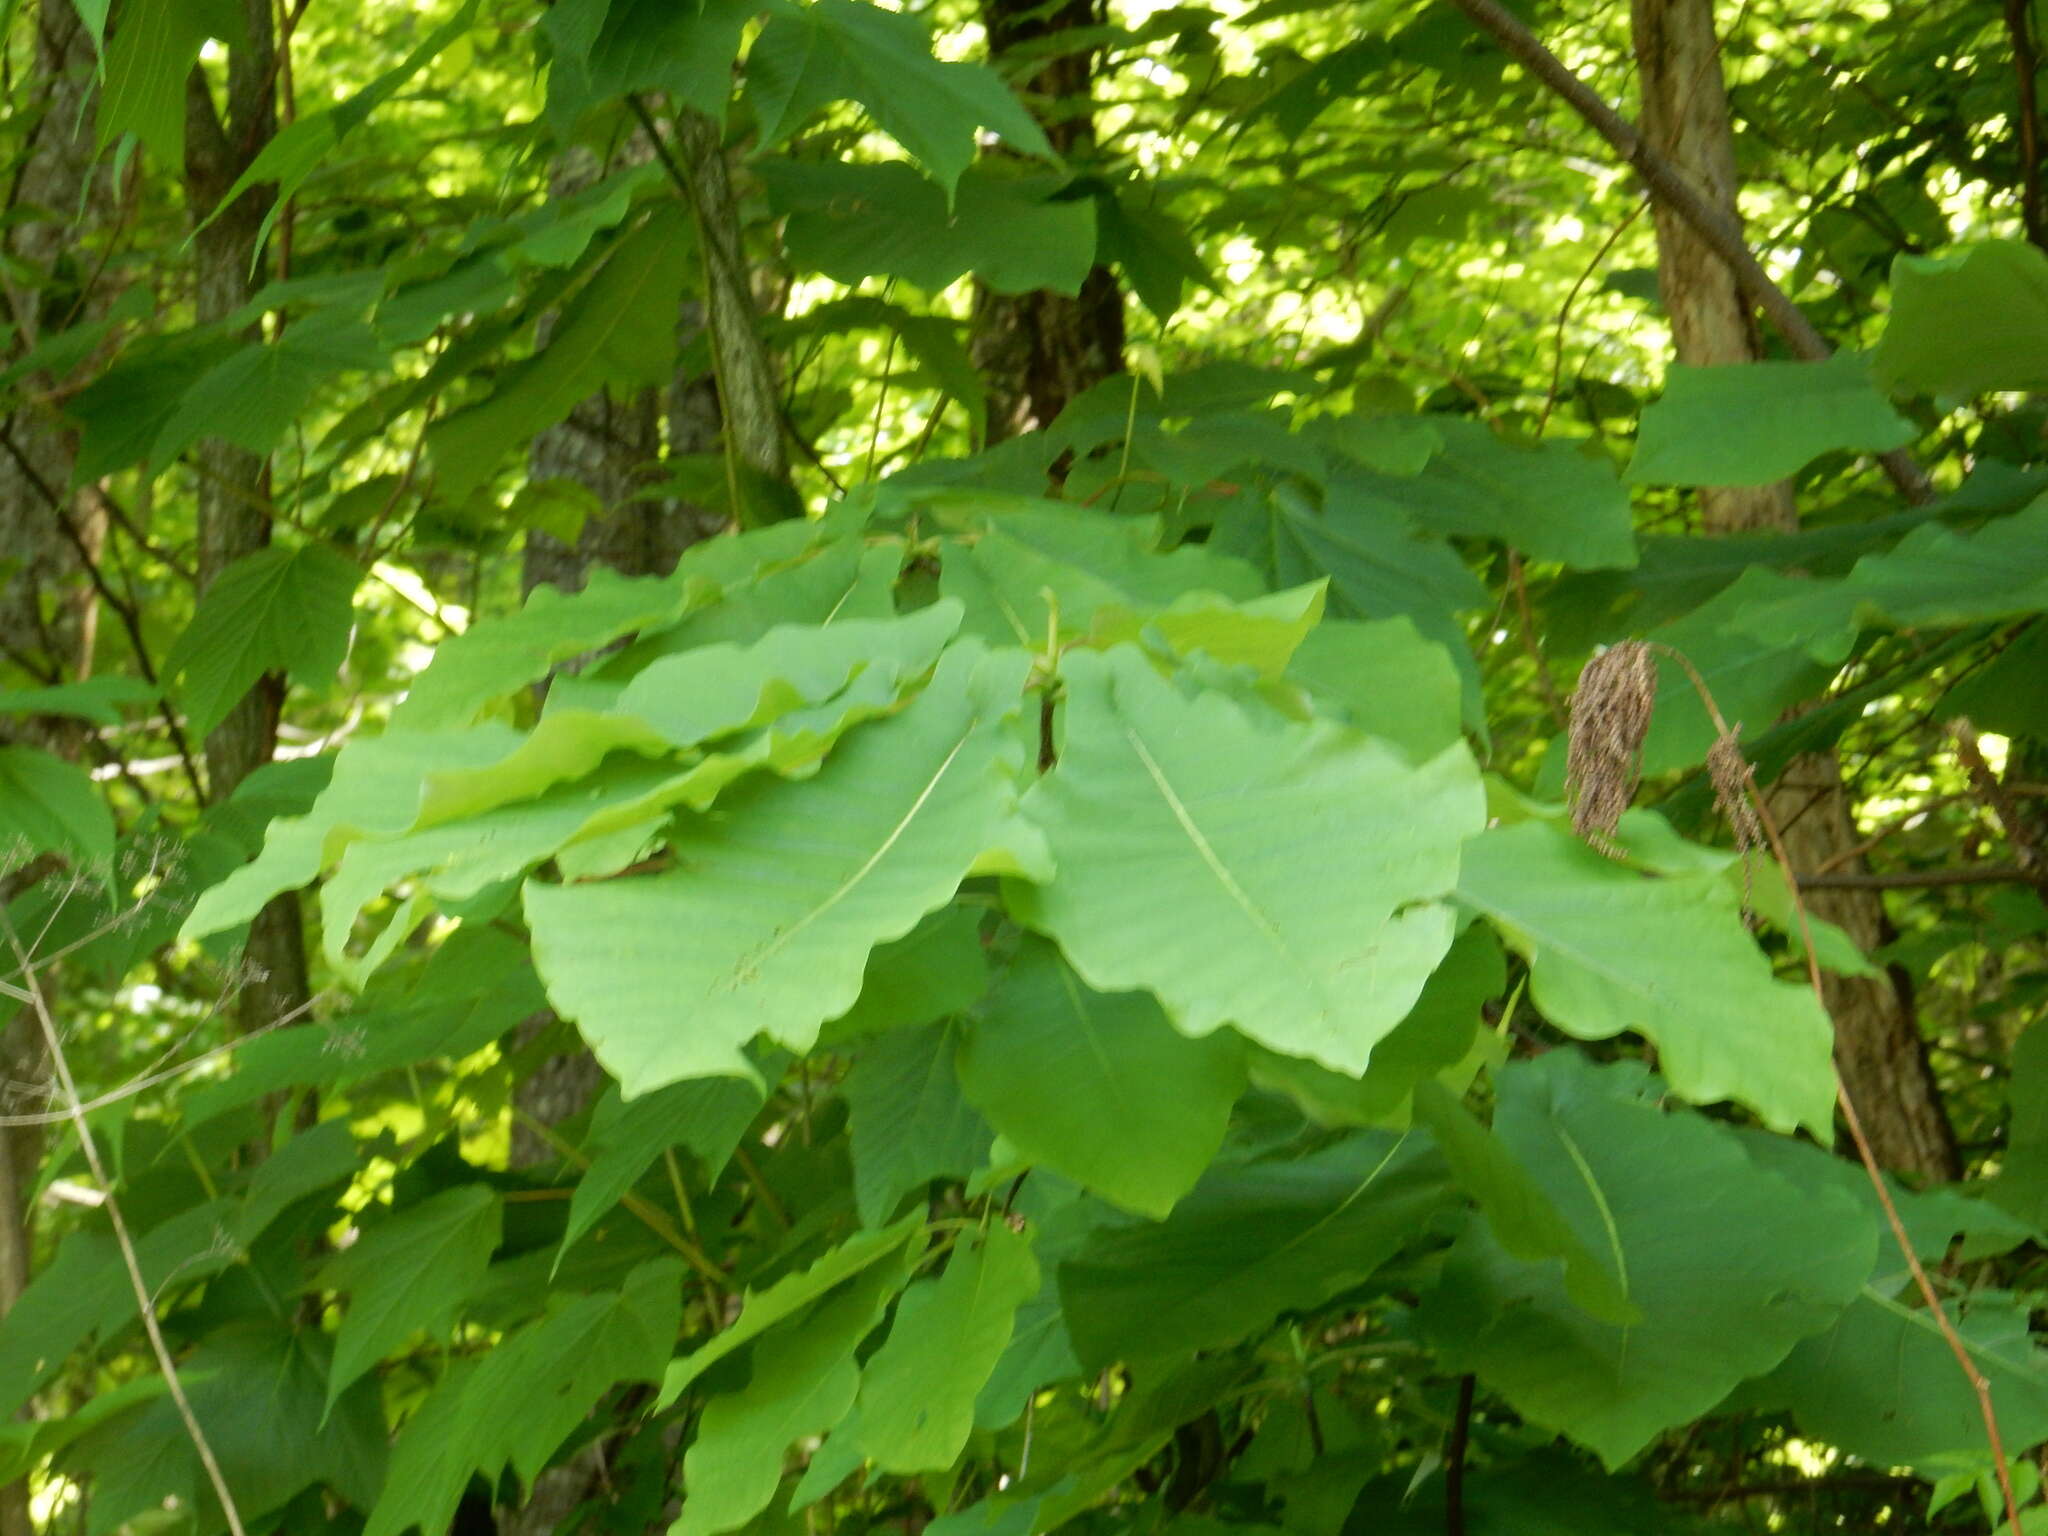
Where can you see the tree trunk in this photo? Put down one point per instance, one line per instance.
(747, 391)
(1037, 351)
(1878, 1049)
(46, 535)
(234, 484)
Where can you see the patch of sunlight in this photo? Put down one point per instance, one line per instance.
(1807, 1457)
(57, 1495)
(1241, 258)
(408, 585)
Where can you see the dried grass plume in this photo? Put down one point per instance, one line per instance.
(1610, 716)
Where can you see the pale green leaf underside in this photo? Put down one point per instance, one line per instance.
(1611, 951)
(765, 924)
(375, 792)
(1288, 879)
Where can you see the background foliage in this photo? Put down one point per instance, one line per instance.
(803, 766)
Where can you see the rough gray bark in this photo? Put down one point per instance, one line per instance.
(1037, 351)
(234, 484)
(1878, 1049)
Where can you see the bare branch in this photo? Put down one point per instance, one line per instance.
(1670, 187)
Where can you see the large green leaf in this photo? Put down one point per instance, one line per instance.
(1524, 1220)
(732, 588)
(1655, 1196)
(555, 1369)
(604, 338)
(1099, 1087)
(1611, 950)
(281, 609)
(256, 395)
(258, 1390)
(1288, 879)
(803, 1382)
(936, 969)
(717, 689)
(765, 924)
(1967, 320)
(503, 654)
(1380, 565)
(917, 1394)
(1753, 423)
(1550, 500)
(907, 1119)
(831, 50)
(1251, 1242)
(1261, 633)
(852, 221)
(605, 49)
(409, 1273)
(86, 1287)
(1439, 1034)
(1016, 562)
(708, 1116)
(375, 792)
(1883, 1384)
(148, 59)
(49, 806)
(762, 1310)
(482, 825)
(1386, 679)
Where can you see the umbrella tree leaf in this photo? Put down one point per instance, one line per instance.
(917, 1394)
(1285, 878)
(765, 923)
(1611, 950)
(1098, 1086)
(1655, 1197)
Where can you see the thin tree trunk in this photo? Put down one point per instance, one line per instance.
(748, 396)
(234, 484)
(46, 605)
(1878, 1049)
(1037, 351)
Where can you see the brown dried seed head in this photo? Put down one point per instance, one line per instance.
(1604, 756)
(1728, 769)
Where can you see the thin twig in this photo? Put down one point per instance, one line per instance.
(1922, 879)
(1545, 683)
(1454, 1459)
(2025, 63)
(1976, 1378)
(1670, 187)
(149, 1080)
(145, 1303)
(650, 1217)
(1565, 310)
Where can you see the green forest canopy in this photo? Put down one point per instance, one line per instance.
(798, 766)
